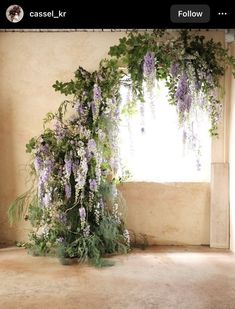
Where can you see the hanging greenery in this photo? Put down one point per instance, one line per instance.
(74, 206)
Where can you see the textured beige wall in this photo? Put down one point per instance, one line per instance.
(232, 161)
(168, 213)
(29, 65)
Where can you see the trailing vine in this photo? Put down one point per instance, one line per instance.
(75, 207)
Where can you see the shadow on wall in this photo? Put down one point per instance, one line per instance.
(7, 168)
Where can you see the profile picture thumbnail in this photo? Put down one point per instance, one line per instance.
(14, 13)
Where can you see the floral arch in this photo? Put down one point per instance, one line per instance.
(74, 206)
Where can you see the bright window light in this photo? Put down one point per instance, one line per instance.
(151, 144)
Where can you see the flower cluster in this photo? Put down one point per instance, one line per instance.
(149, 70)
(183, 95)
(72, 163)
(82, 213)
(76, 160)
(149, 65)
(96, 101)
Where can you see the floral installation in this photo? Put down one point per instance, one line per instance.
(191, 67)
(74, 205)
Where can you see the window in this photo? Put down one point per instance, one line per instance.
(151, 144)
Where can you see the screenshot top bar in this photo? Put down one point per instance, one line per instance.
(21, 15)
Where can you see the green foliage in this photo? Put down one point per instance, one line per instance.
(31, 145)
(37, 246)
(19, 206)
(89, 249)
(65, 88)
(35, 212)
(109, 233)
(65, 161)
(192, 52)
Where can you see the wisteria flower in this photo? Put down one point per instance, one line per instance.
(149, 64)
(67, 190)
(68, 166)
(47, 199)
(91, 148)
(80, 180)
(82, 213)
(114, 162)
(43, 148)
(174, 70)
(38, 163)
(183, 95)
(101, 135)
(96, 93)
(93, 185)
(60, 131)
(95, 104)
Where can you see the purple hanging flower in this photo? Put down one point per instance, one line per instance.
(96, 93)
(198, 164)
(93, 185)
(67, 191)
(47, 171)
(80, 180)
(117, 113)
(91, 148)
(38, 163)
(94, 109)
(75, 166)
(187, 103)
(68, 166)
(182, 95)
(184, 136)
(182, 88)
(49, 164)
(81, 110)
(47, 199)
(174, 70)
(114, 162)
(96, 101)
(44, 149)
(41, 188)
(101, 135)
(82, 213)
(60, 131)
(44, 176)
(149, 64)
(209, 78)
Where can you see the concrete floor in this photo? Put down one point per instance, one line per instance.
(158, 277)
